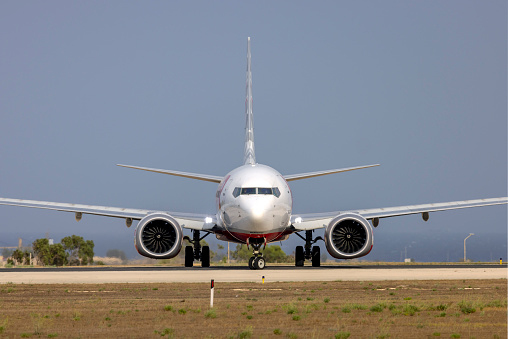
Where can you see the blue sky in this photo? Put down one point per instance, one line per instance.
(419, 87)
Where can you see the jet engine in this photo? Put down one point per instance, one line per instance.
(349, 236)
(158, 236)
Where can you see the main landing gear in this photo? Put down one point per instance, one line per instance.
(310, 252)
(196, 251)
(256, 262)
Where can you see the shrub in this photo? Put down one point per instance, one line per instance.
(247, 333)
(378, 308)
(466, 307)
(210, 314)
(342, 335)
(291, 309)
(167, 331)
(410, 309)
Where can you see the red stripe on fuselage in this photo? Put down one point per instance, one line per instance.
(242, 237)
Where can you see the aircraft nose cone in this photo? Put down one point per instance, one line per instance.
(258, 217)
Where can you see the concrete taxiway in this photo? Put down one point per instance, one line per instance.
(91, 275)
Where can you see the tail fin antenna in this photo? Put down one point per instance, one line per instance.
(249, 155)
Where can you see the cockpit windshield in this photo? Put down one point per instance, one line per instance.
(262, 190)
(248, 190)
(256, 190)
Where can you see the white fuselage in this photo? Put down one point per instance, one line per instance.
(254, 201)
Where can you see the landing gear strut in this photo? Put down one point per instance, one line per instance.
(312, 253)
(256, 262)
(196, 251)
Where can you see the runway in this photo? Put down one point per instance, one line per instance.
(99, 275)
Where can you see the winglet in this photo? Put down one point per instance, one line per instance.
(249, 154)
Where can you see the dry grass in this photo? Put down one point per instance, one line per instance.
(395, 309)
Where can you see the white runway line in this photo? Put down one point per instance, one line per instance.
(198, 275)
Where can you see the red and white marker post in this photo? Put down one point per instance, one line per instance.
(211, 295)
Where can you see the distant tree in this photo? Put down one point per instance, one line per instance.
(72, 250)
(80, 252)
(272, 253)
(26, 256)
(18, 256)
(58, 255)
(42, 251)
(47, 254)
(116, 253)
(220, 247)
(86, 253)
(241, 253)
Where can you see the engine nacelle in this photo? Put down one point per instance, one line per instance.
(349, 236)
(158, 236)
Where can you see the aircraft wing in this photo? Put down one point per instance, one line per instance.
(320, 220)
(186, 220)
(300, 176)
(204, 177)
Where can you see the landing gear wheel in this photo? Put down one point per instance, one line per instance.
(189, 256)
(251, 263)
(316, 256)
(205, 256)
(259, 263)
(299, 256)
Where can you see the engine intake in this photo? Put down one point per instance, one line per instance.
(158, 236)
(349, 236)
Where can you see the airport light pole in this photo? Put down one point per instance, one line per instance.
(470, 234)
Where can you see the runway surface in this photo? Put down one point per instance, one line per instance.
(239, 274)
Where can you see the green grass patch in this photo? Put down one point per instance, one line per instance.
(342, 335)
(378, 307)
(211, 314)
(466, 307)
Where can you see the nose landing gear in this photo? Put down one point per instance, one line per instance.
(256, 262)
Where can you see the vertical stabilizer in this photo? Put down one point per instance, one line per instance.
(249, 155)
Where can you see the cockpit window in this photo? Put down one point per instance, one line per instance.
(276, 191)
(263, 190)
(248, 190)
(256, 190)
(236, 192)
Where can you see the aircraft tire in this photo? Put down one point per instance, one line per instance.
(251, 263)
(259, 263)
(299, 256)
(316, 256)
(189, 256)
(205, 256)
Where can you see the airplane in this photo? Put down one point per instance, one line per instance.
(254, 207)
